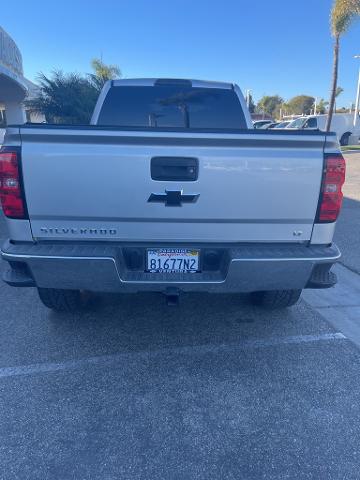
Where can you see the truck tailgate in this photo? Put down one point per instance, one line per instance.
(93, 183)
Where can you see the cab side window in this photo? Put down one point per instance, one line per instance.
(311, 123)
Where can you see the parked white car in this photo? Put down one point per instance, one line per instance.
(342, 124)
(262, 123)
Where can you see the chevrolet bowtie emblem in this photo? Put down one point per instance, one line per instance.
(173, 198)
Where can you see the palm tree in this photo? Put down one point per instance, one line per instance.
(103, 73)
(338, 92)
(321, 106)
(70, 97)
(64, 98)
(343, 13)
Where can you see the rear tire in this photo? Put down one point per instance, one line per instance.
(62, 300)
(344, 140)
(276, 299)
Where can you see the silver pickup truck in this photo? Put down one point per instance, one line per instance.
(169, 189)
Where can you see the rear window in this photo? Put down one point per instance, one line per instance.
(172, 106)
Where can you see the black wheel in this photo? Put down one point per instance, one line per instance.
(62, 300)
(275, 299)
(344, 140)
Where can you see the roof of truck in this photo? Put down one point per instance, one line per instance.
(171, 81)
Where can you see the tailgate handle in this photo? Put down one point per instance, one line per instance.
(175, 169)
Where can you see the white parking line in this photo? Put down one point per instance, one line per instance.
(39, 368)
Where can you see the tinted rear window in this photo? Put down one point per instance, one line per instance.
(172, 106)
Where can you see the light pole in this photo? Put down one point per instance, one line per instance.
(357, 97)
(248, 93)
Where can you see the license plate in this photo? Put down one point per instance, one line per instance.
(173, 260)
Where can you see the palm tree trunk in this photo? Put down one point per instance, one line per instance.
(334, 83)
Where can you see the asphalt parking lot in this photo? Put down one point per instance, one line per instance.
(213, 389)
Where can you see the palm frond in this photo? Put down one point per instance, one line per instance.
(102, 73)
(343, 13)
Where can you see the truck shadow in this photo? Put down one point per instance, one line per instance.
(144, 322)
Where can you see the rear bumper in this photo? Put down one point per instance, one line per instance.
(107, 268)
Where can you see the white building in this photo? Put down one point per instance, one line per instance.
(14, 87)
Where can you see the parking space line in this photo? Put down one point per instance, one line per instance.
(39, 368)
(338, 306)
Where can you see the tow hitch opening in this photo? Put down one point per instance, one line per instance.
(172, 296)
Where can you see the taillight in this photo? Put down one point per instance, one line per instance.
(331, 195)
(11, 194)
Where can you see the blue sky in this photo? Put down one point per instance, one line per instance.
(271, 47)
